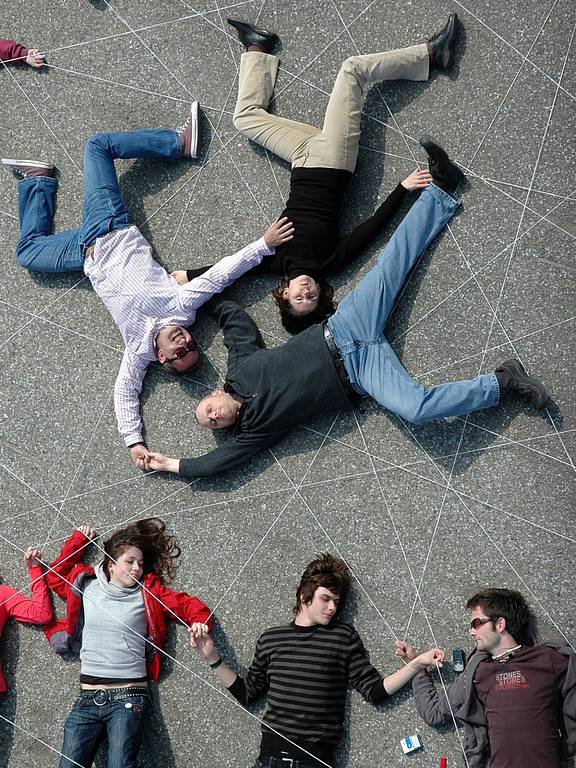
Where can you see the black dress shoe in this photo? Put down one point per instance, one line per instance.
(441, 45)
(251, 35)
(445, 173)
(513, 378)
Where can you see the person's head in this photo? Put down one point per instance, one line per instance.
(499, 618)
(303, 302)
(217, 410)
(177, 349)
(322, 589)
(140, 548)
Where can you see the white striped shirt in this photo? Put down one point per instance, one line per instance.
(143, 298)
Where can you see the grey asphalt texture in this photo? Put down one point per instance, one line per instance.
(423, 515)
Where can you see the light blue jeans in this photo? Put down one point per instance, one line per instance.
(40, 251)
(358, 326)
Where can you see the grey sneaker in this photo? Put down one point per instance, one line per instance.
(26, 169)
(513, 378)
(189, 132)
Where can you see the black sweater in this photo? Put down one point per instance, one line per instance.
(280, 388)
(305, 672)
(314, 208)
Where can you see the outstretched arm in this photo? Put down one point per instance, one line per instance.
(12, 51)
(227, 456)
(127, 403)
(414, 665)
(363, 235)
(432, 707)
(35, 610)
(198, 291)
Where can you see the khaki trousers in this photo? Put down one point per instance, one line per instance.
(336, 145)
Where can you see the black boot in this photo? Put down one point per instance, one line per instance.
(441, 45)
(251, 35)
(445, 173)
(513, 378)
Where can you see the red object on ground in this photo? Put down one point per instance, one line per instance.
(442, 762)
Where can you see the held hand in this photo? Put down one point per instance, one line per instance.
(417, 180)
(32, 557)
(35, 58)
(87, 530)
(201, 641)
(279, 232)
(161, 463)
(180, 276)
(139, 455)
(404, 651)
(432, 658)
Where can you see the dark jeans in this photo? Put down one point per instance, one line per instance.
(119, 715)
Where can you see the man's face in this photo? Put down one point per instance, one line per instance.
(302, 293)
(486, 636)
(176, 349)
(322, 607)
(217, 411)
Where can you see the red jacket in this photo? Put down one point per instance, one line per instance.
(35, 610)
(10, 49)
(65, 634)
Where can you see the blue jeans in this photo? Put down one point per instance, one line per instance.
(120, 716)
(358, 326)
(40, 251)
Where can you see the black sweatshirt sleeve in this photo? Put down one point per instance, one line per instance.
(231, 454)
(192, 273)
(356, 241)
(240, 333)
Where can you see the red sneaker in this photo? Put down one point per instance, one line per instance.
(26, 169)
(189, 132)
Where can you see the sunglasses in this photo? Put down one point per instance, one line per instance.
(477, 623)
(181, 352)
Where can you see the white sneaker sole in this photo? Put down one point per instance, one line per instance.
(194, 113)
(26, 163)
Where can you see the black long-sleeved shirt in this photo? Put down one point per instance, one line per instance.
(280, 388)
(313, 207)
(305, 672)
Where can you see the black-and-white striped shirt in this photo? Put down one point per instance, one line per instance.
(305, 672)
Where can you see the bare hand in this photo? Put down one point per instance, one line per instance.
(140, 455)
(417, 180)
(87, 530)
(180, 276)
(279, 232)
(201, 641)
(161, 463)
(32, 557)
(35, 58)
(433, 657)
(404, 651)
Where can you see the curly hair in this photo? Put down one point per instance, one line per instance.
(295, 323)
(326, 571)
(521, 621)
(158, 547)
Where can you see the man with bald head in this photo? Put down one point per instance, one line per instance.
(329, 366)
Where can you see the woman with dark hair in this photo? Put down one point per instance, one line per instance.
(31, 610)
(116, 619)
(322, 162)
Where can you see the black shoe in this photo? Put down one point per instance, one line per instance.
(513, 378)
(441, 45)
(445, 173)
(251, 35)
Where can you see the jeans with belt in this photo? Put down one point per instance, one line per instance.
(40, 251)
(357, 327)
(119, 713)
